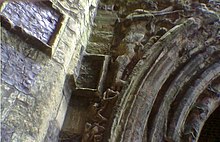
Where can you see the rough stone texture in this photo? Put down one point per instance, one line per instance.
(165, 58)
(102, 33)
(37, 18)
(90, 72)
(16, 70)
(18, 115)
(154, 53)
(99, 43)
(6, 133)
(166, 62)
(52, 132)
(34, 99)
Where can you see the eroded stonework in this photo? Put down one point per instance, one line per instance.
(37, 19)
(162, 80)
(34, 97)
(16, 70)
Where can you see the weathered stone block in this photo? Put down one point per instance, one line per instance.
(37, 23)
(17, 70)
(92, 75)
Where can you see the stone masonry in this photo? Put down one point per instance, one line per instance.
(33, 100)
(117, 70)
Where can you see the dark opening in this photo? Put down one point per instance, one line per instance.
(211, 129)
(90, 71)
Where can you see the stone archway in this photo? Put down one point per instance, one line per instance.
(169, 94)
(158, 101)
(163, 72)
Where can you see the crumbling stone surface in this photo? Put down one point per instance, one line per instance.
(37, 19)
(52, 132)
(33, 97)
(16, 70)
(19, 116)
(165, 60)
(102, 33)
(172, 57)
(6, 133)
(154, 46)
(90, 72)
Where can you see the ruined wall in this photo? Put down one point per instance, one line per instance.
(35, 88)
(79, 110)
(163, 72)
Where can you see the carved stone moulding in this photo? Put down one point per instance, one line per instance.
(38, 23)
(91, 77)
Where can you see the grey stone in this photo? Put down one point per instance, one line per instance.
(52, 132)
(18, 71)
(6, 133)
(35, 18)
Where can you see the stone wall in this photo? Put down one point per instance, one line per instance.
(161, 80)
(35, 89)
(79, 109)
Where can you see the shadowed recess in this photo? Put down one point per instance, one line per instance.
(211, 129)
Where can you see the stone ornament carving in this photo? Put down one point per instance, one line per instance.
(169, 43)
(98, 117)
(147, 48)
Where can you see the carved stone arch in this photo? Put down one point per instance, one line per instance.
(211, 134)
(207, 103)
(159, 101)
